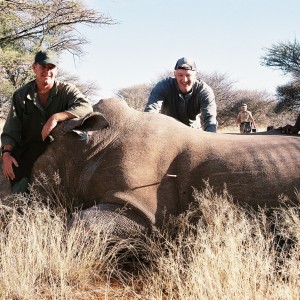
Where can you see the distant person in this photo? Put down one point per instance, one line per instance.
(290, 129)
(245, 119)
(36, 109)
(184, 96)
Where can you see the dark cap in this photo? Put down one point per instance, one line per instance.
(46, 57)
(185, 63)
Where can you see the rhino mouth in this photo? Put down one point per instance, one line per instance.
(114, 219)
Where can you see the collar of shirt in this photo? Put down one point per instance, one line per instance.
(184, 96)
(33, 95)
(187, 96)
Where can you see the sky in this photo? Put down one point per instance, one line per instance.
(224, 36)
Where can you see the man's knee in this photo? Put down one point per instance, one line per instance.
(20, 186)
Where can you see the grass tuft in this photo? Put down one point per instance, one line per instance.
(216, 250)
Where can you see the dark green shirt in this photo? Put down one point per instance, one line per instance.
(27, 117)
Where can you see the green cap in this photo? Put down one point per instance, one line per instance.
(46, 57)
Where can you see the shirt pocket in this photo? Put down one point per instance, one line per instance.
(32, 127)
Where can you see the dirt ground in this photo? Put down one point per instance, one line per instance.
(236, 129)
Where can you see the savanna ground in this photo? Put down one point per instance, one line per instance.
(217, 250)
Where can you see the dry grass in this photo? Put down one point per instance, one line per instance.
(224, 252)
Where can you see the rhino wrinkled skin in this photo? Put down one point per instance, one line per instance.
(151, 162)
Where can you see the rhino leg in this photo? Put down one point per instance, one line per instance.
(114, 219)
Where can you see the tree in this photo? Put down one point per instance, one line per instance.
(88, 88)
(284, 56)
(27, 26)
(225, 95)
(33, 23)
(136, 96)
(288, 97)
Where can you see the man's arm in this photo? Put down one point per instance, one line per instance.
(11, 134)
(252, 119)
(155, 98)
(53, 121)
(238, 119)
(8, 161)
(209, 109)
(78, 105)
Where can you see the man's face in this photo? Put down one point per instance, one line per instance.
(185, 79)
(45, 74)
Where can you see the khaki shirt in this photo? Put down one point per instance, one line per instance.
(27, 117)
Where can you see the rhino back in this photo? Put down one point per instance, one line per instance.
(255, 169)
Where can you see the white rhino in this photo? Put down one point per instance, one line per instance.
(151, 163)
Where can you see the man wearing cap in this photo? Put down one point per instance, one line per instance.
(184, 96)
(36, 108)
(244, 118)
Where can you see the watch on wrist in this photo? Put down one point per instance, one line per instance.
(4, 151)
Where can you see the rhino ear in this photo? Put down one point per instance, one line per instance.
(93, 121)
